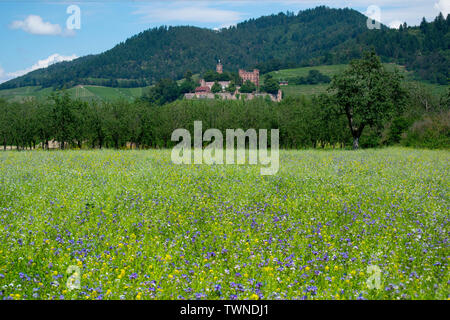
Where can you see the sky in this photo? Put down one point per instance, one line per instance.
(35, 34)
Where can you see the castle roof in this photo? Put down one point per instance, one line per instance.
(202, 89)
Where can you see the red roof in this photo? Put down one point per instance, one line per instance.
(202, 89)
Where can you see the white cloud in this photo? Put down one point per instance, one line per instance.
(180, 12)
(34, 24)
(443, 6)
(44, 63)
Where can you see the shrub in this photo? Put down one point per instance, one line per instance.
(431, 131)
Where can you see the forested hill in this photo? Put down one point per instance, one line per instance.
(311, 37)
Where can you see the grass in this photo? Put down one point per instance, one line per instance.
(83, 92)
(18, 94)
(328, 70)
(331, 70)
(315, 230)
(306, 90)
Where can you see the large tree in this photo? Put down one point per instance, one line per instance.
(271, 86)
(164, 91)
(216, 87)
(63, 117)
(367, 94)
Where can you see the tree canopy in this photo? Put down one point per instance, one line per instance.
(367, 94)
(247, 87)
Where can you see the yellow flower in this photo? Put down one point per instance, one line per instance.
(307, 268)
(254, 297)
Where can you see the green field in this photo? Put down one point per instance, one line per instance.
(139, 227)
(83, 92)
(331, 70)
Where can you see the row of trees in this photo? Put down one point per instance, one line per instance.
(211, 75)
(367, 106)
(77, 124)
(313, 77)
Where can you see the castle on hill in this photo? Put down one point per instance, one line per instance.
(203, 91)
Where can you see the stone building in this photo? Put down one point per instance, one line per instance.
(209, 84)
(204, 90)
(252, 76)
(233, 96)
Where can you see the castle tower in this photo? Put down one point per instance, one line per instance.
(219, 67)
(251, 76)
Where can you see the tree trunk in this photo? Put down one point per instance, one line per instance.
(355, 143)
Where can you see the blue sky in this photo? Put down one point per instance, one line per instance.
(34, 34)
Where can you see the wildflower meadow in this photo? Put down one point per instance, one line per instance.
(104, 224)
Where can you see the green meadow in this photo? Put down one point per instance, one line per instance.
(367, 224)
(82, 92)
(331, 70)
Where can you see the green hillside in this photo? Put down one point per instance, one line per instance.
(83, 92)
(331, 70)
(312, 37)
(302, 72)
(90, 92)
